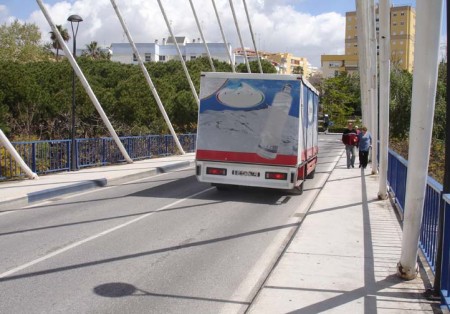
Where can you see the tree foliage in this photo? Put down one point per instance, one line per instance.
(340, 97)
(21, 43)
(266, 66)
(36, 98)
(400, 103)
(55, 42)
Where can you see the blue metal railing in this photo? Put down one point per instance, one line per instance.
(397, 173)
(51, 156)
(445, 278)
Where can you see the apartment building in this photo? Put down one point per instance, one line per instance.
(403, 23)
(332, 65)
(287, 63)
(166, 50)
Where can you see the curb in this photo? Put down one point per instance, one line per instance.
(89, 184)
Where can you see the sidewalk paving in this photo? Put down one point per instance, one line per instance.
(343, 258)
(15, 194)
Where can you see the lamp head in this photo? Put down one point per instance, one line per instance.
(75, 18)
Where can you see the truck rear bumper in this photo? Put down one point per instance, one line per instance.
(277, 177)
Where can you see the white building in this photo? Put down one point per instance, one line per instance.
(156, 52)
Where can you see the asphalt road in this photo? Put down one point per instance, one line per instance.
(165, 244)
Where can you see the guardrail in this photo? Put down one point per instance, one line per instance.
(397, 174)
(445, 280)
(52, 156)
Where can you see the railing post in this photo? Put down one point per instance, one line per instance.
(77, 146)
(103, 151)
(33, 157)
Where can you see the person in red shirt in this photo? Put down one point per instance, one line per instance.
(350, 139)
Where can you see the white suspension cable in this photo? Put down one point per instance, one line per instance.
(240, 37)
(223, 37)
(253, 37)
(194, 92)
(203, 38)
(147, 77)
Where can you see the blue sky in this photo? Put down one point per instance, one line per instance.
(306, 28)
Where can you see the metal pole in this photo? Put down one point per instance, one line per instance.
(385, 83)
(147, 77)
(361, 13)
(240, 37)
(374, 85)
(233, 68)
(445, 190)
(253, 37)
(74, 164)
(85, 83)
(203, 37)
(428, 24)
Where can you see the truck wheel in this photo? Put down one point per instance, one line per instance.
(298, 190)
(311, 174)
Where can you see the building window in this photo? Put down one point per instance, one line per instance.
(402, 32)
(402, 23)
(395, 23)
(193, 57)
(335, 64)
(394, 42)
(402, 13)
(162, 58)
(394, 33)
(355, 45)
(134, 57)
(395, 14)
(148, 57)
(401, 43)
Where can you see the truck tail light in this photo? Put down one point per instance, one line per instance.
(216, 171)
(276, 175)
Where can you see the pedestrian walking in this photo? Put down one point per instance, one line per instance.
(326, 123)
(350, 139)
(364, 144)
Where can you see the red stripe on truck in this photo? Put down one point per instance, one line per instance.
(214, 155)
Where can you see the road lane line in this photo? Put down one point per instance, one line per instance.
(74, 245)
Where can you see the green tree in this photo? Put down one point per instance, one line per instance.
(440, 124)
(267, 67)
(298, 70)
(400, 103)
(92, 50)
(341, 97)
(20, 42)
(55, 43)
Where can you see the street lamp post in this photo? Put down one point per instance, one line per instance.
(74, 19)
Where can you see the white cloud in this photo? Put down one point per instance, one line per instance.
(4, 15)
(278, 27)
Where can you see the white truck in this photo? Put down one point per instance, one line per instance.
(256, 130)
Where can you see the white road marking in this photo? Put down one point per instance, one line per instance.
(74, 245)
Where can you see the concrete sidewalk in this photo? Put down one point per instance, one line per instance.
(15, 194)
(343, 257)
